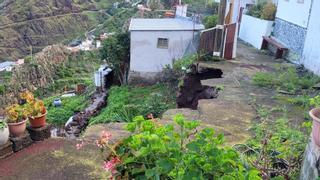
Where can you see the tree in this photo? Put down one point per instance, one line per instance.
(116, 51)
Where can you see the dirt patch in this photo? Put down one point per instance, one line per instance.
(192, 90)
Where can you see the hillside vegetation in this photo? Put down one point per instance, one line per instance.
(25, 23)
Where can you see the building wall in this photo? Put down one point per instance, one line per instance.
(290, 35)
(252, 29)
(294, 12)
(291, 24)
(147, 57)
(311, 52)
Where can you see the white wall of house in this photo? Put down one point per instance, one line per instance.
(252, 29)
(311, 53)
(294, 11)
(147, 57)
(237, 4)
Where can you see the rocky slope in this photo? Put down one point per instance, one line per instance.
(38, 23)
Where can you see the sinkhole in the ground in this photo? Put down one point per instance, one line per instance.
(191, 91)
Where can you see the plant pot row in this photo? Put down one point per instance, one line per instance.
(17, 115)
(17, 129)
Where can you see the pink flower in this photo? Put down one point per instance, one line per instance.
(104, 139)
(79, 145)
(98, 144)
(106, 135)
(111, 165)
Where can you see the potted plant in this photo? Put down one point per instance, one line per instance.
(315, 115)
(17, 117)
(4, 132)
(38, 114)
(36, 110)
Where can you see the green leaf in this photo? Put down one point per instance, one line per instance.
(150, 173)
(165, 165)
(193, 146)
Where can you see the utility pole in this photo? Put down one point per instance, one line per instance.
(31, 52)
(219, 34)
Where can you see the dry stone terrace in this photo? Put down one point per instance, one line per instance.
(231, 113)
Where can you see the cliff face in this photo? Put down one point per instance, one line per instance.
(38, 23)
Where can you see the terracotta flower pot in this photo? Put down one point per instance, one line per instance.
(17, 129)
(4, 135)
(39, 121)
(315, 115)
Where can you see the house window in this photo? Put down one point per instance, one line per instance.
(163, 43)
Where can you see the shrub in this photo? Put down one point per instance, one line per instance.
(255, 10)
(155, 104)
(184, 63)
(269, 11)
(211, 21)
(263, 10)
(276, 149)
(174, 151)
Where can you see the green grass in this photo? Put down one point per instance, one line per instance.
(126, 102)
(285, 79)
(70, 105)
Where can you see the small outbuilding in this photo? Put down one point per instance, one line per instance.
(156, 43)
(6, 66)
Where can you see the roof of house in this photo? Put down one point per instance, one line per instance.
(6, 64)
(166, 24)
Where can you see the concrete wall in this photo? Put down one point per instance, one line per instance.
(147, 57)
(311, 51)
(252, 29)
(294, 12)
(310, 166)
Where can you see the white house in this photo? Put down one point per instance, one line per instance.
(297, 26)
(156, 43)
(6, 66)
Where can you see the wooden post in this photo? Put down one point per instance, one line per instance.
(219, 35)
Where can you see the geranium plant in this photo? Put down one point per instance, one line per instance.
(172, 151)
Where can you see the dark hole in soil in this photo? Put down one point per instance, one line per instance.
(192, 90)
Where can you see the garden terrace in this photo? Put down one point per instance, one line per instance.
(245, 110)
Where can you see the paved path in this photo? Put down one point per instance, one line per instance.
(232, 112)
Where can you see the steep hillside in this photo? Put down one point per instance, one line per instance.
(38, 23)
